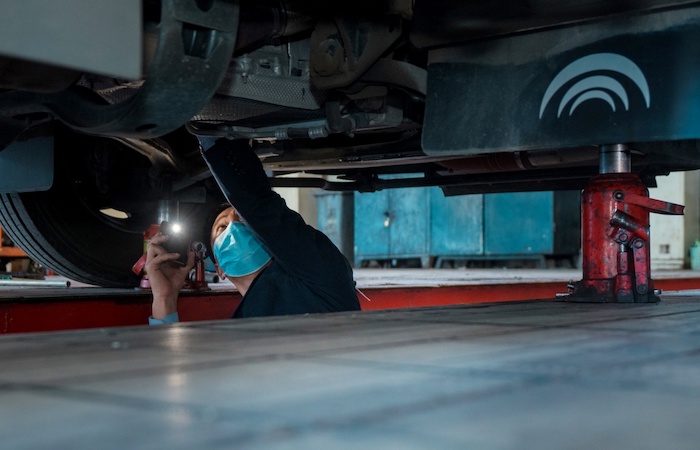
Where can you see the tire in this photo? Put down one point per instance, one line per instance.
(63, 228)
(69, 239)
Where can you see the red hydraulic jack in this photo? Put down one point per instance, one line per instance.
(615, 243)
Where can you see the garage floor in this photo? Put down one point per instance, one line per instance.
(526, 375)
(32, 309)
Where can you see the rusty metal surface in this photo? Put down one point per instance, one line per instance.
(546, 375)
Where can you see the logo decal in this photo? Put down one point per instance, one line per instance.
(595, 86)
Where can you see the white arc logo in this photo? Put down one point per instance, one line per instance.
(595, 86)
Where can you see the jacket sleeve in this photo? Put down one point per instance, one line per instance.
(303, 251)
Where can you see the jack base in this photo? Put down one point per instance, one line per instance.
(600, 291)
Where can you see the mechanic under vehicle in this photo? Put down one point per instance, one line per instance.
(106, 111)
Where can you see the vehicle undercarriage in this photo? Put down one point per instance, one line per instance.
(471, 96)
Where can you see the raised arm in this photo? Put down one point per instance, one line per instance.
(302, 250)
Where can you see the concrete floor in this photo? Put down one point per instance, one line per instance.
(527, 375)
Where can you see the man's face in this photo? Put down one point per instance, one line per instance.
(222, 220)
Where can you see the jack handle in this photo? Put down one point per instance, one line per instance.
(625, 225)
(651, 204)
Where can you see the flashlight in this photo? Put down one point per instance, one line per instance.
(178, 240)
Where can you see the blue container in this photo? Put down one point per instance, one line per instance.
(393, 223)
(518, 223)
(456, 224)
(422, 223)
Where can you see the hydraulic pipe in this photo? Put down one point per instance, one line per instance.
(34, 283)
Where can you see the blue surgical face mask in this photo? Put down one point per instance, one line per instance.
(239, 252)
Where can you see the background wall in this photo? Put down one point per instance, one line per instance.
(672, 236)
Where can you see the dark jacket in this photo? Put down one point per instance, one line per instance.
(308, 273)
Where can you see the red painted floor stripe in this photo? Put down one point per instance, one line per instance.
(50, 314)
(458, 295)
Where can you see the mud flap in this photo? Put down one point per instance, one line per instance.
(635, 79)
(27, 165)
